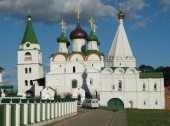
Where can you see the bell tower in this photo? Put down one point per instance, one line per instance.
(29, 65)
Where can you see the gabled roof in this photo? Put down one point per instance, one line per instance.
(29, 35)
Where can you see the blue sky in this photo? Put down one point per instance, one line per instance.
(147, 25)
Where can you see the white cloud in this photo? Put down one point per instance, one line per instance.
(142, 24)
(50, 11)
(165, 5)
(132, 7)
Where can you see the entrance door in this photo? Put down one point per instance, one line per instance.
(115, 103)
(79, 99)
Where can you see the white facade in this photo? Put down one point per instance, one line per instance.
(133, 91)
(83, 73)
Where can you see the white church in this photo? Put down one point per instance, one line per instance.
(84, 72)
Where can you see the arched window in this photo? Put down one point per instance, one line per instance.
(26, 83)
(155, 86)
(28, 56)
(74, 83)
(144, 87)
(120, 85)
(74, 69)
(91, 81)
(26, 70)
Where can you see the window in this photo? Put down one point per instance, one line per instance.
(120, 86)
(144, 87)
(156, 102)
(28, 56)
(91, 81)
(144, 102)
(31, 82)
(74, 69)
(74, 83)
(113, 87)
(30, 70)
(26, 70)
(26, 83)
(155, 87)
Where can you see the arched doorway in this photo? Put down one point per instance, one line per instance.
(115, 103)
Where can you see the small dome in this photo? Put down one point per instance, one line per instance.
(92, 37)
(121, 15)
(78, 33)
(62, 38)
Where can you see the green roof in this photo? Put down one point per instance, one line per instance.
(6, 86)
(62, 38)
(152, 75)
(29, 35)
(92, 37)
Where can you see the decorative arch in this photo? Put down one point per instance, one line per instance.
(71, 57)
(115, 103)
(119, 71)
(60, 55)
(90, 55)
(107, 70)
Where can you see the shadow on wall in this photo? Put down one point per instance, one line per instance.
(84, 86)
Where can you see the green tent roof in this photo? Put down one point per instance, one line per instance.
(152, 75)
(29, 35)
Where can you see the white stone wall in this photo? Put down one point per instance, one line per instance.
(29, 67)
(77, 45)
(92, 45)
(62, 47)
(132, 89)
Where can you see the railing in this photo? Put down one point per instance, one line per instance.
(31, 113)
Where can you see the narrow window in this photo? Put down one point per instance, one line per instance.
(144, 102)
(113, 87)
(31, 82)
(26, 83)
(30, 70)
(91, 81)
(144, 87)
(74, 69)
(120, 86)
(156, 102)
(155, 87)
(26, 70)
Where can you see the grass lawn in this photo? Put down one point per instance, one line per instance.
(138, 117)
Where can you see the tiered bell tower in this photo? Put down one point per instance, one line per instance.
(29, 65)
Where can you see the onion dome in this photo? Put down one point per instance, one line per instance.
(62, 38)
(78, 33)
(121, 15)
(92, 37)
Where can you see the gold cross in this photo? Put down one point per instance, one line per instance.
(91, 22)
(63, 26)
(78, 11)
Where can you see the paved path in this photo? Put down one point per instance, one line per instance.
(94, 117)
